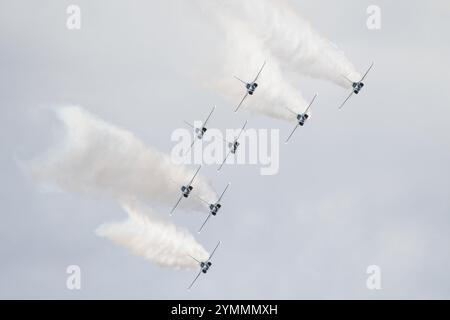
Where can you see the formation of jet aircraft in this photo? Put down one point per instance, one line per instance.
(199, 133)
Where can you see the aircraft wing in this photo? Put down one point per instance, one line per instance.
(310, 104)
(209, 216)
(176, 205)
(259, 73)
(242, 130)
(204, 201)
(291, 111)
(241, 80)
(220, 198)
(240, 104)
(292, 133)
(226, 141)
(343, 103)
(192, 144)
(210, 114)
(192, 180)
(194, 258)
(365, 75)
(214, 251)
(190, 125)
(199, 273)
(223, 162)
(350, 81)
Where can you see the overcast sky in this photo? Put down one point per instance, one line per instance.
(368, 185)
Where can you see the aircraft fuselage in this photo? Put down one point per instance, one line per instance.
(301, 118)
(251, 87)
(357, 86)
(234, 146)
(200, 132)
(205, 266)
(186, 190)
(214, 208)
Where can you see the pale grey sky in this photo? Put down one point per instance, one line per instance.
(367, 185)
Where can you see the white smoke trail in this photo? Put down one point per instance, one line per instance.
(243, 56)
(154, 239)
(258, 30)
(95, 156)
(291, 38)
